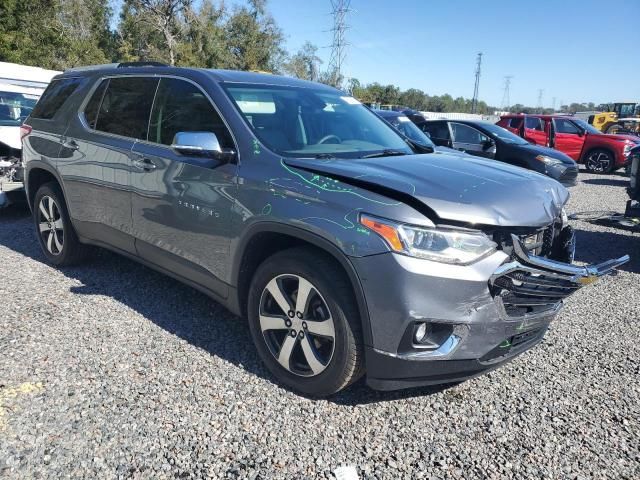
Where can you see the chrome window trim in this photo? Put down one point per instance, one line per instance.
(85, 126)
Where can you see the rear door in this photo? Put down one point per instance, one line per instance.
(470, 140)
(97, 164)
(182, 204)
(534, 131)
(513, 124)
(567, 137)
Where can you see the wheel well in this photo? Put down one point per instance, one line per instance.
(37, 178)
(263, 245)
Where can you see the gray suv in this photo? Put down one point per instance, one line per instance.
(349, 249)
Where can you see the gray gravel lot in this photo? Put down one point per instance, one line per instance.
(111, 370)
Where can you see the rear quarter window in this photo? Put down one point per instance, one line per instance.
(56, 94)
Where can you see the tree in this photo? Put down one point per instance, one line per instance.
(254, 39)
(413, 98)
(56, 35)
(305, 64)
(204, 43)
(152, 27)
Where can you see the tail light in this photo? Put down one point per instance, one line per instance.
(24, 131)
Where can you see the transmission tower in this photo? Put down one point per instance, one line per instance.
(339, 10)
(474, 102)
(506, 101)
(540, 92)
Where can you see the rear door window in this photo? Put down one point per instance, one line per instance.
(466, 134)
(181, 106)
(91, 110)
(438, 131)
(54, 97)
(534, 123)
(515, 122)
(126, 106)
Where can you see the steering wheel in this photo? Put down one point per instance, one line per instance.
(328, 137)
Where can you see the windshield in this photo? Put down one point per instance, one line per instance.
(305, 122)
(505, 135)
(410, 130)
(15, 108)
(584, 125)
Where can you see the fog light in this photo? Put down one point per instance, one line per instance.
(420, 333)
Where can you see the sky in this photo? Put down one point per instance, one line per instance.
(575, 51)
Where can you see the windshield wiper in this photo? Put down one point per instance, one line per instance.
(321, 156)
(385, 153)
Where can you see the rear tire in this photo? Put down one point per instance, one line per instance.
(599, 161)
(56, 234)
(315, 346)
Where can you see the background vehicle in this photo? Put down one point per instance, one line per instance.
(345, 250)
(599, 152)
(20, 88)
(622, 118)
(634, 177)
(491, 141)
(401, 122)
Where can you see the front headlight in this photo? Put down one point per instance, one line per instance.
(440, 245)
(548, 160)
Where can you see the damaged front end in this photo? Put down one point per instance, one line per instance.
(531, 284)
(11, 175)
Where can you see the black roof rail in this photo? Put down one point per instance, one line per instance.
(141, 64)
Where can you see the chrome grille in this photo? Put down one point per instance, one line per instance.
(531, 285)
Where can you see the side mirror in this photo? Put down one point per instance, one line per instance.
(203, 144)
(580, 132)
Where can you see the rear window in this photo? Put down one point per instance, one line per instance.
(515, 122)
(91, 110)
(54, 97)
(438, 130)
(534, 123)
(126, 106)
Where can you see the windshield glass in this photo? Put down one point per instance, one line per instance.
(410, 130)
(15, 108)
(589, 128)
(505, 135)
(305, 122)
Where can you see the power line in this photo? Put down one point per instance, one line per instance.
(540, 92)
(506, 101)
(339, 10)
(474, 102)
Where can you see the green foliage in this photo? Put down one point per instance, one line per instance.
(55, 34)
(305, 64)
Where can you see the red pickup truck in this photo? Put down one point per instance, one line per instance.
(600, 153)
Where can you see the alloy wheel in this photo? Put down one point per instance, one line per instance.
(50, 225)
(599, 162)
(297, 325)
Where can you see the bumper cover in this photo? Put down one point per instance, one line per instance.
(493, 318)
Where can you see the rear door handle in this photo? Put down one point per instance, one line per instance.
(144, 164)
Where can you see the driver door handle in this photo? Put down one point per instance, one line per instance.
(144, 164)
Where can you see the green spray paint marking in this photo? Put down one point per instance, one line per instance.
(505, 344)
(266, 210)
(331, 185)
(256, 147)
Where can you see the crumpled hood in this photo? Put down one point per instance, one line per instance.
(462, 189)
(10, 135)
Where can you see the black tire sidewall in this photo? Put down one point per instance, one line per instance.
(335, 376)
(70, 241)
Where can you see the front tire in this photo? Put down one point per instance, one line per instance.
(305, 322)
(599, 161)
(57, 237)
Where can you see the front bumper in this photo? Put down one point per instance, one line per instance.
(492, 314)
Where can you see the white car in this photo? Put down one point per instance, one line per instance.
(20, 88)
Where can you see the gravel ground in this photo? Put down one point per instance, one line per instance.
(111, 370)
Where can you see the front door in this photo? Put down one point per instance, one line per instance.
(96, 170)
(182, 204)
(567, 137)
(471, 141)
